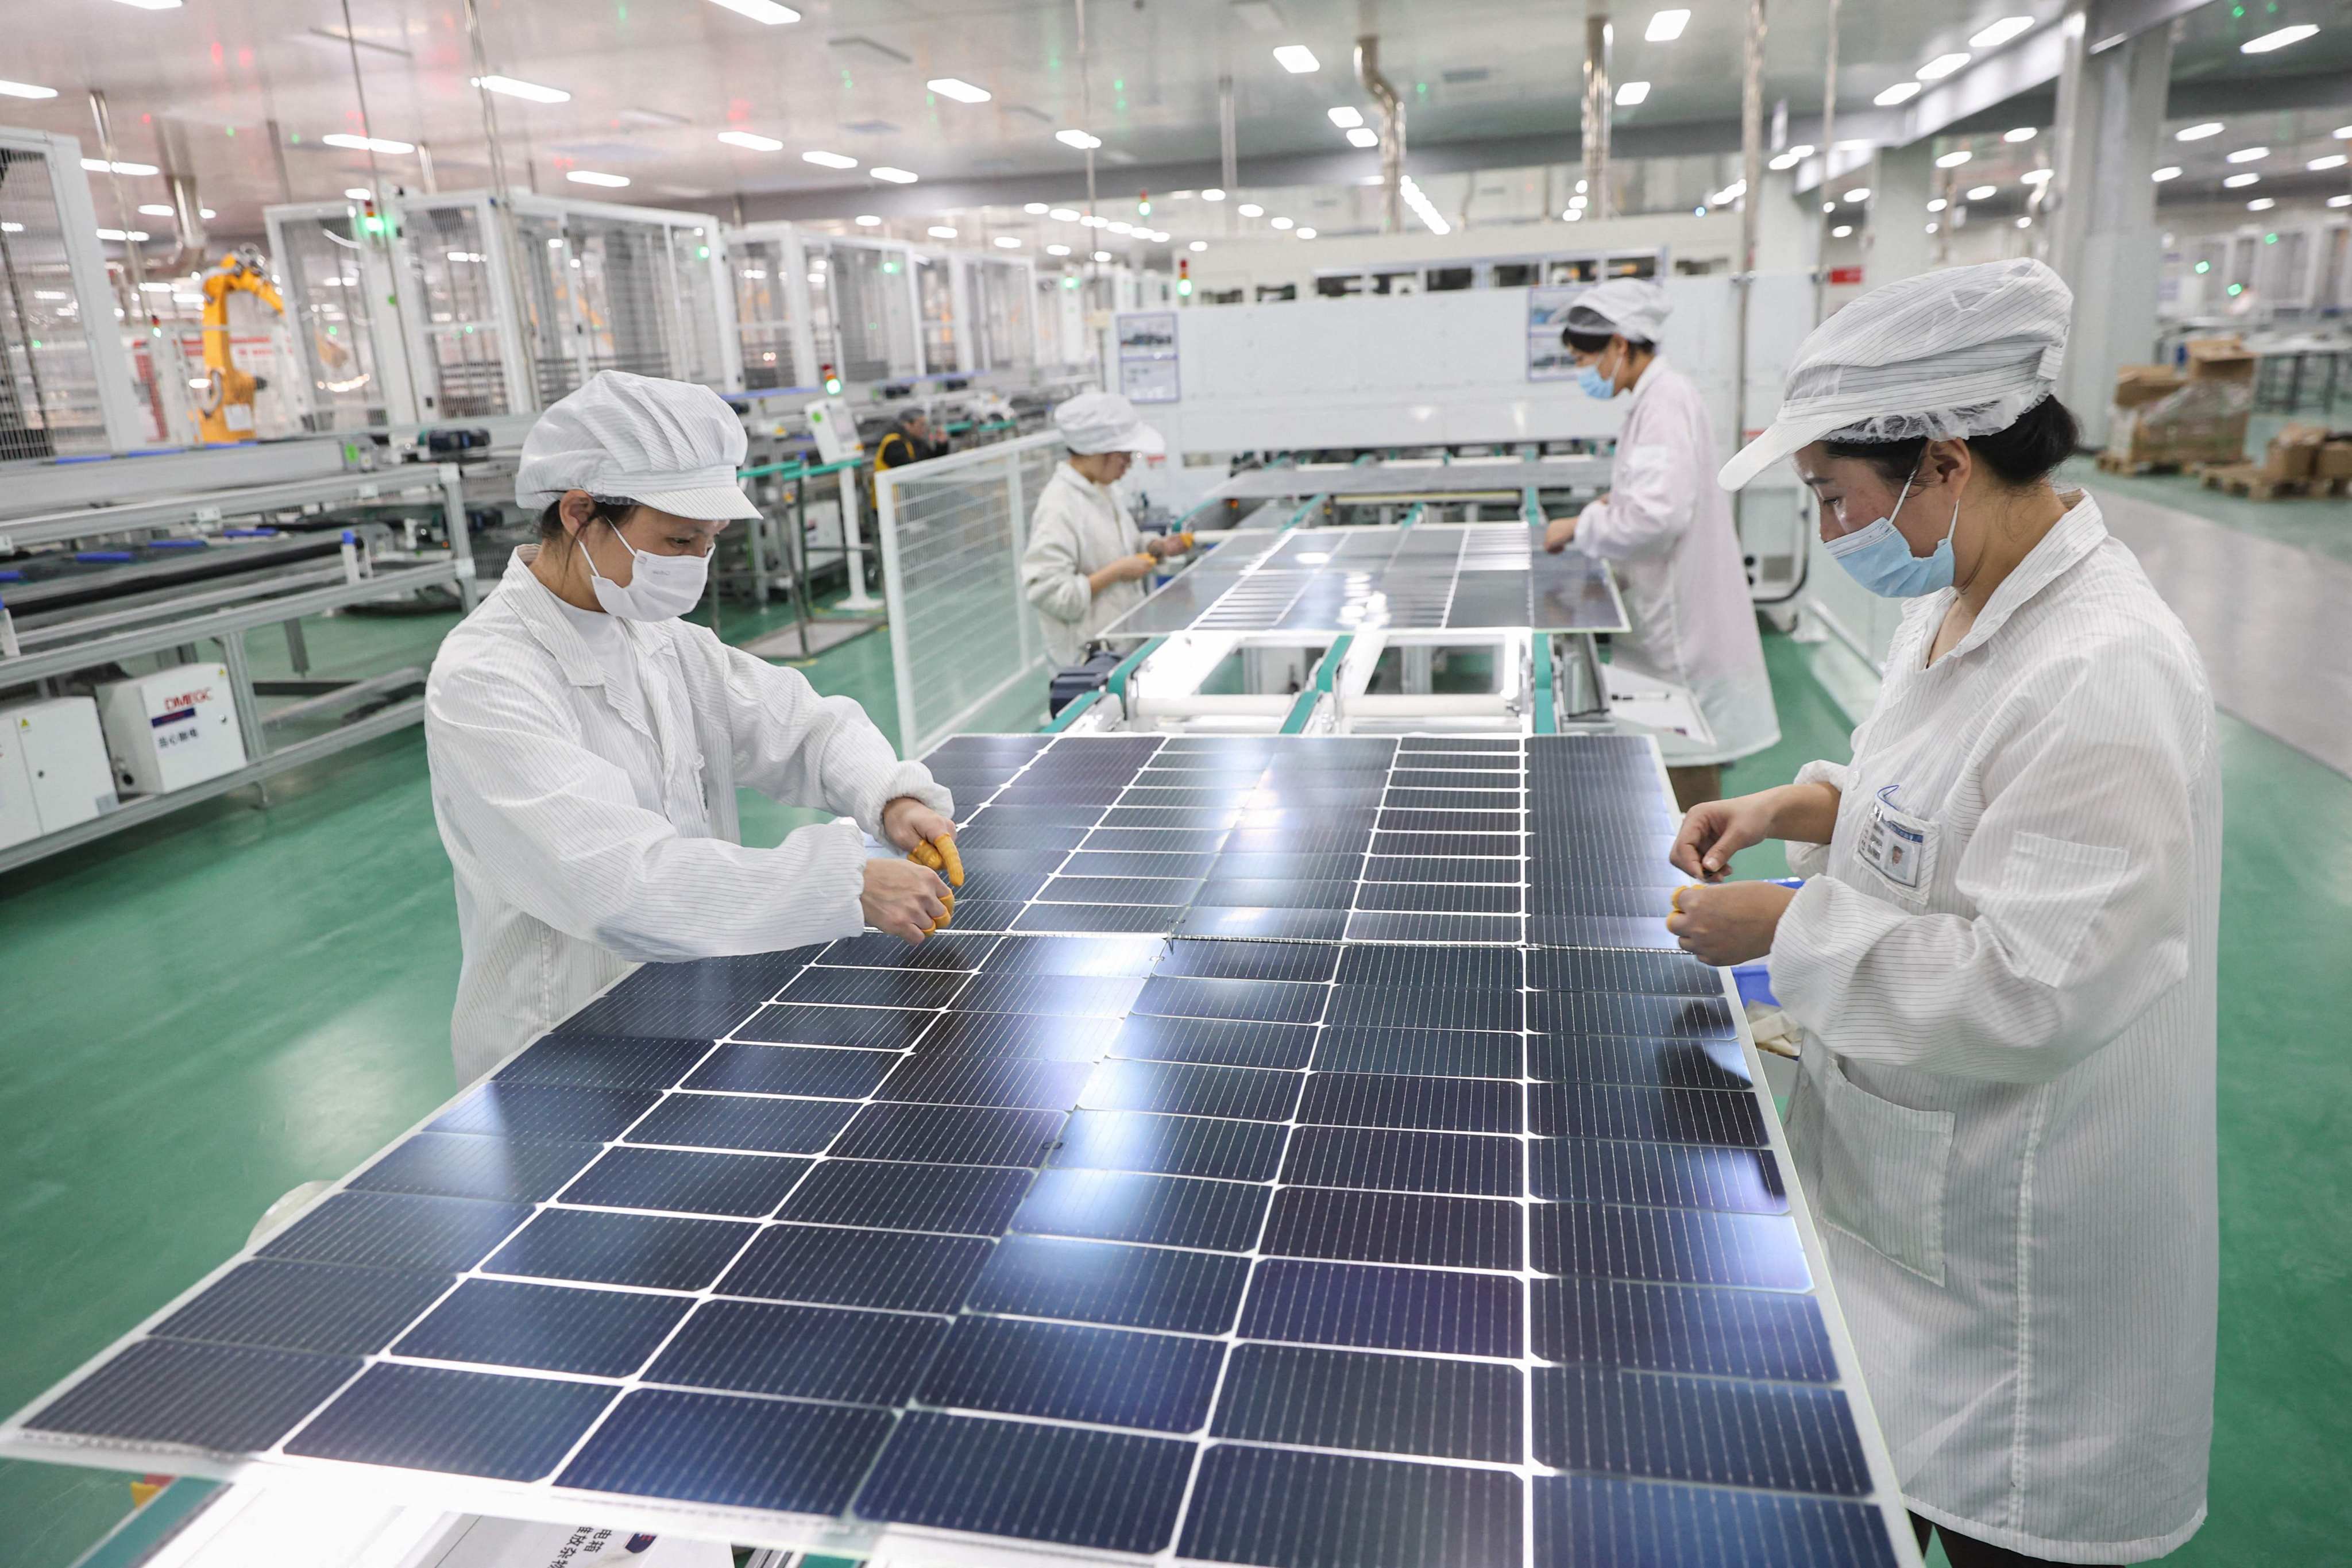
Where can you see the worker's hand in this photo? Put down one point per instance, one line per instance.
(904, 898)
(907, 822)
(1715, 830)
(1133, 568)
(1556, 535)
(1163, 545)
(1729, 924)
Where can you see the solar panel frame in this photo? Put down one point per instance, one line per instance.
(1474, 1284)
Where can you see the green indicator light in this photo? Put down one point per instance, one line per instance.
(702, 253)
(1184, 286)
(2269, 239)
(2204, 266)
(889, 267)
(2236, 289)
(1119, 84)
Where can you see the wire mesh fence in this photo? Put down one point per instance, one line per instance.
(953, 531)
(48, 378)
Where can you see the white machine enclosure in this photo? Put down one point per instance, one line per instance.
(173, 729)
(54, 773)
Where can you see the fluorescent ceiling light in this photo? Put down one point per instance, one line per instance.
(2199, 133)
(2277, 41)
(1297, 59)
(2169, 171)
(958, 89)
(2341, 133)
(1954, 159)
(2026, 222)
(1198, 245)
(515, 87)
(1788, 160)
(1363, 136)
(367, 143)
(1859, 194)
(1828, 206)
(1214, 195)
(1728, 195)
(134, 235)
(1578, 200)
(155, 211)
(1933, 227)
(1983, 192)
(1057, 250)
(359, 193)
(1077, 138)
(941, 231)
(2262, 205)
(2238, 182)
(26, 89)
(2037, 176)
(1281, 222)
(1573, 215)
(2248, 154)
(1347, 116)
(1307, 234)
(868, 220)
(1064, 214)
(2001, 32)
(1666, 26)
(829, 160)
(1120, 225)
(1102, 256)
(1842, 231)
(751, 140)
(894, 176)
(1094, 220)
(591, 177)
(1938, 204)
(2343, 201)
(101, 166)
(1250, 209)
(1008, 242)
(155, 4)
(1941, 66)
(1034, 209)
(767, 11)
(1901, 92)
(2023, 134)
(2333, 160)
(1630, 93)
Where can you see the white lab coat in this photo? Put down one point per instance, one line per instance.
(1078, 529)
(2005, 1111)
(592, 821)
(1667, 529)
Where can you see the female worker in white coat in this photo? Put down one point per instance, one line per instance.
(586, 743)
(1087, 563)
(1665, 527)
(2002, 960)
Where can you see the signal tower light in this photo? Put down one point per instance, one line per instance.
(1184, 277)
(1143, 203)
(832, 381)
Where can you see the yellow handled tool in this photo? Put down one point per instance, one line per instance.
(939, 854)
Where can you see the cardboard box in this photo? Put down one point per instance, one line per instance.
(2139, 384)
(2294, 452)
(2219, 359)
(2334, 461)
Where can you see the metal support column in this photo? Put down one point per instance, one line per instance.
(1597, 106)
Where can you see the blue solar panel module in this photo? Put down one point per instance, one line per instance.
(1282, 1163)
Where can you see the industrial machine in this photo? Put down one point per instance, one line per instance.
(54, 773)
(225, 398)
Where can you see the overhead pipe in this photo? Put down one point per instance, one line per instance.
(1392, 107)
(1598, 35)
(1752, 202)
(188, 215)
(1828, 147)
(1228, 149)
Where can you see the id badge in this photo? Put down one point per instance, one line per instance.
(1896, 844)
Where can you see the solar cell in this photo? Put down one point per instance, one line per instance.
(1462, 1164)
(545, 1110)
(801, 1352)
(943, 1078)
(1150, 1210)
(466, 1422)
(1439, 1053)
(226, 1398)
(1286, 1508)
(1668, 1328)
(1640, 1524)
(846, 1267)
(613, 1061)
(1114, 1492)
(660, 1252)
(1098, 1282)
(1393, 1227)
(730, 1450)
(506, 1323)
(1062, 1037)
(949, 1134)
(1323, 1398)
(1772, 1436)
(1593, 1170)
(397, 1230)
(743, 1121)
(1074, 1372)
(313, 1307)
(687, 1181)
(1676, 1246)
(871, 1029)
(804, 1071)
(1225, 1042)
(960, 1200)
(470, 1165)
(1193, 1089)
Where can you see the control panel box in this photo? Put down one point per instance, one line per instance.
(173, 729)
(54, 771)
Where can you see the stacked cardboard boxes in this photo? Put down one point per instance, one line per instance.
(2167, 417)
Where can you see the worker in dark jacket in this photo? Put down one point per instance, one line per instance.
(908, 440)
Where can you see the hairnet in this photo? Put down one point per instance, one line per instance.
(1633, 307)
(1105, 422)
(671, 444)
(1947, 355)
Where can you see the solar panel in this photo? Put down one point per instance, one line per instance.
(1317, 1227)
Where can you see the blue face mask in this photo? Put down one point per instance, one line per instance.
(1595, 385)
(1880, 558)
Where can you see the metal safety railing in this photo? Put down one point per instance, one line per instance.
(953, 531)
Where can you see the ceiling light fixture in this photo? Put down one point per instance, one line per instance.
(1212, 195)
(1307, 234)
(2342, 201)
(1347, 116)
(1077, 138)
(153, 5)
(1198, 245)
(1094, 220)
(766, 11)
(2023, 134)
(829, 160)
(367, 143)
(1102, 256)
(1728, 195)
(1250, 209)
(1120, 225)
(2262, 205)
(2169, 171)
(1630, 93)
(1933, 227)
(941, 231)
(1034, 209)
(2038, 176)
(868, 220)
(1281, 223)
(1859, 194)
(958, 89)
(894, 176)
(1901, 92)
(1057, 250)
(2277, 41)
(2026, 222)
(2333, 160)
(135, 234)
(1942, 66)
(2199, 133)
(2248, 154)
(1954, 159)
(26, 89)
(101, 166)
(2001, 32)
(1938, 204)
(1006, 242)
(1363, 136)
(1983, 192)
(1297, 59)
(591, 177)
(514, 87)
(1666, 26)
(1842, 230)
(2239, 182)
(1064, 214)
(751, 140)
(154, 210)
(359, 193)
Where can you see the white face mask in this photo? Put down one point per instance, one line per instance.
(660, 587)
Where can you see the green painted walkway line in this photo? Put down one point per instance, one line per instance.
(144, 1530)
(1319, 686)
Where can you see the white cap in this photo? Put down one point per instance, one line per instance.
(1633, 307)
(670, 444)
(1947, 355)
(1105, 422)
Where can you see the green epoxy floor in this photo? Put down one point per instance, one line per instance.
(204, 1012)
